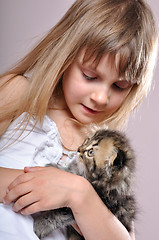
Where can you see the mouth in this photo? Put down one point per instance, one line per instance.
(90, 110)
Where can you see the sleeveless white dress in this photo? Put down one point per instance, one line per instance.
(38, 148)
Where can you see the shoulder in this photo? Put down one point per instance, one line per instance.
(12, 81)
(12, 89)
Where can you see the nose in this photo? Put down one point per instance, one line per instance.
(100, 96)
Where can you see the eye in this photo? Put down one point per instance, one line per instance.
(90, 152)
(89, 76)
(122, 85)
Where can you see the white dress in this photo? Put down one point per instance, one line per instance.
(40, 147)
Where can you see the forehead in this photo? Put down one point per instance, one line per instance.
(100, 64)
(119, 62)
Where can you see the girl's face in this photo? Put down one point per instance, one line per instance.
(93, 92)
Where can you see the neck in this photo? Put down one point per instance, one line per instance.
(72, 132)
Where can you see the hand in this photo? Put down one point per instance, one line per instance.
(75, 226)
(40, 189)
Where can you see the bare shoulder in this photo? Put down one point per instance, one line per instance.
(12, 89)
(11, 80)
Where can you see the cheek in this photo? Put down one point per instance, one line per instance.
(121, 99)
(117, 101)
(73, 91)
(73, 86)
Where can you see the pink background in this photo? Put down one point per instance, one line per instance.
(22, 23)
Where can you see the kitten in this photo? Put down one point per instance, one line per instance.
(107, 161)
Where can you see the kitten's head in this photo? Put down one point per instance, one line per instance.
(107, 153)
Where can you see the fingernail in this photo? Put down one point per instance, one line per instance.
(26, 169)
(7, 191)
(22, 212)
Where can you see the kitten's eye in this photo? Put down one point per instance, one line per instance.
(90, 152)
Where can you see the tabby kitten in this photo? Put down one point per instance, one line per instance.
(107, 161)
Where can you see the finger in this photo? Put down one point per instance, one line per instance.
(31, 209)
(19, 180)
(32, 169)
(24, 202)
(15, 193)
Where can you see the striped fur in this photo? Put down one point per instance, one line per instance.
(107, 161)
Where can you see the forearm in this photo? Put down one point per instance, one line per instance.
(7, 175)
(95, 220)
(54, 189)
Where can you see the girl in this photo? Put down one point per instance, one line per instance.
(94, 66)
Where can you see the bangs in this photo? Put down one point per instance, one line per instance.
(123, 30)
(127, 63)
(130, 65)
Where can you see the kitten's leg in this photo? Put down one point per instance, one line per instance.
(51, 220)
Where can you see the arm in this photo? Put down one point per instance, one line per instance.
(11, 92)
(6, 177)
(92, 216)
(90, 213)
(12, 88)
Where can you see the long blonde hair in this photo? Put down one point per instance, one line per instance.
(124, 27)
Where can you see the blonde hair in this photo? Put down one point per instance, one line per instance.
(124, 27)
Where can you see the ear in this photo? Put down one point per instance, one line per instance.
(120, 159)
(113, 157)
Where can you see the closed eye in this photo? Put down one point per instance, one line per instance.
(122, 85)
(89, 77)
(118, 88)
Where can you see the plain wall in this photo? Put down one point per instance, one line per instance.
(22, 23)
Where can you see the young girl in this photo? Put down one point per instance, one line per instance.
(94, 66)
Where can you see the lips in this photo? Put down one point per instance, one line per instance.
(89, 110)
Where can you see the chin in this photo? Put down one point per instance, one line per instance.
(86, 120)
(89, 121)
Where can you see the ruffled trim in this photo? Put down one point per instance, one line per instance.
(71, 156)
(50, 151)
(47, 151)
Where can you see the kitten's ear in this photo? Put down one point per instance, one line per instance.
(113, 157)
(119, 160)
